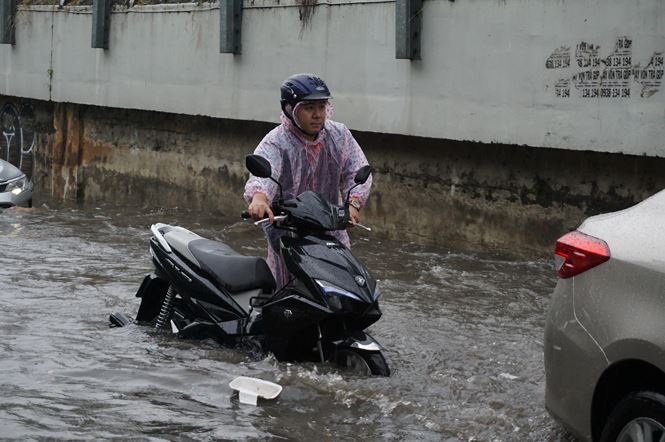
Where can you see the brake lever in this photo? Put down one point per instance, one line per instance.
(267, 220)
(369, 229)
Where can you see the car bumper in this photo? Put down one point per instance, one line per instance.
(573, 364)
(9, 199)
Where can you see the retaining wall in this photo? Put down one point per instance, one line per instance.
(512, 199)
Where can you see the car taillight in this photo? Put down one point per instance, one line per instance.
(577, 252)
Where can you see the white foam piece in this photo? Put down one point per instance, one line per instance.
(249, 389)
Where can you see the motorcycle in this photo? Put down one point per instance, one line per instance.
(205, 289)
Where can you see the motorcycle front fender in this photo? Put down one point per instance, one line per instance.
(359, 340)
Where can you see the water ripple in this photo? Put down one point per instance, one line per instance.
(462, 332)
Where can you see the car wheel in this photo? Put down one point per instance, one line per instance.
(638, 417)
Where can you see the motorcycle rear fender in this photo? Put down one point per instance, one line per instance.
(152, 292)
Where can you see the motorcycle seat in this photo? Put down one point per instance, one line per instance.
(233, 271)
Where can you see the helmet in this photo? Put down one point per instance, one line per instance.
(303, 87)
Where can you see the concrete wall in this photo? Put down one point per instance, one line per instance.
(519, 72)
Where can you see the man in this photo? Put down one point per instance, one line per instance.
(308, 151)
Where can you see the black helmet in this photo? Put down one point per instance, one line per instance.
(303, 87)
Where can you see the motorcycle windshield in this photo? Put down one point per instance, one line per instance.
(324, 258)
(311, 211)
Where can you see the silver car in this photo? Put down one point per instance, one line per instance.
(15, 187)
(605, 330)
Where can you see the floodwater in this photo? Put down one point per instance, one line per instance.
(463, 335)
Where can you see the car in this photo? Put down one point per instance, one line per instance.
(604, 347)
(15, 187)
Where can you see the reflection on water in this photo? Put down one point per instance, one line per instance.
(462, 332)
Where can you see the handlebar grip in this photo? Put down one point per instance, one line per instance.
(245, 215)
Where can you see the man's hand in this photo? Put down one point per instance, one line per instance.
(354, 215)
(259, 208)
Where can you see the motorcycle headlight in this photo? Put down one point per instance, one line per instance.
(335, 296)
(332, 290)
(17, 186)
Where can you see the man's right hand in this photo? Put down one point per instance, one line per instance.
(259, 208)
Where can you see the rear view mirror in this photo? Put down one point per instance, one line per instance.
(363, 174)
(258, 166)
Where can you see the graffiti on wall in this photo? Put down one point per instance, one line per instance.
(612, 76)
(17, 139)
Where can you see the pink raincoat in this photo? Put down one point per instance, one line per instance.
(326, 165)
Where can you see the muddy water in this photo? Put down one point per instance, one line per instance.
(463, 334)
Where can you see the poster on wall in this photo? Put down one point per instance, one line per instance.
(610, 76)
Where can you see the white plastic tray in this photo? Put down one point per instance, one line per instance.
(249, 389)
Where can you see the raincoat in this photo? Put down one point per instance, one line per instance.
(326, 165)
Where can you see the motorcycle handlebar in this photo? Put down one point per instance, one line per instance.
(267, 220)
(246, 216)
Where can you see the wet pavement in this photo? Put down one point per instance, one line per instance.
(463, 334)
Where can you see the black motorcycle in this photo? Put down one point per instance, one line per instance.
(204, 289)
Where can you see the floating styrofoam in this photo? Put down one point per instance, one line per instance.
(510, 377)
(249, 389)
